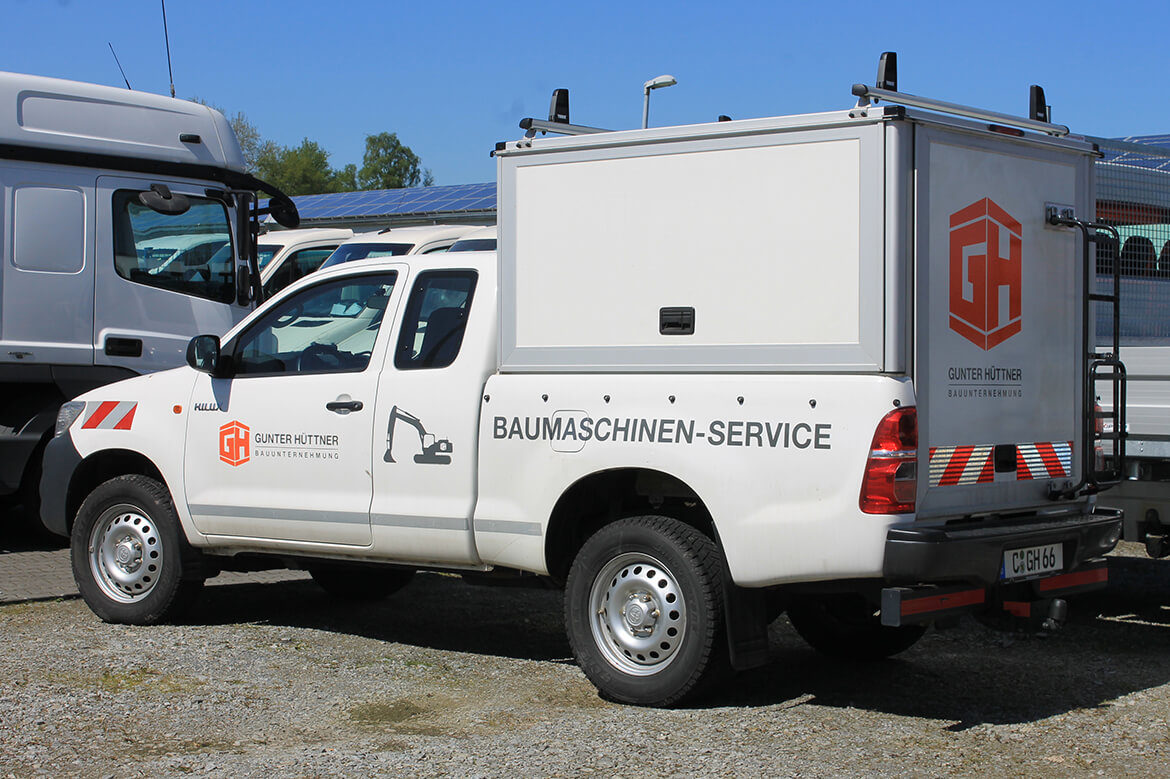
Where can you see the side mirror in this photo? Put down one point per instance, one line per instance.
(203, 354)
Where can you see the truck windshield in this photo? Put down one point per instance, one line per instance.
(361, 251)
(189, 253)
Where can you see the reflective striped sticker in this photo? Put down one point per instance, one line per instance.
(952, 466)
(109, 415)
(955, 465)
(1044, 460)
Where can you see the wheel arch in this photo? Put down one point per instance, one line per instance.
(100, 467)
(603, 497)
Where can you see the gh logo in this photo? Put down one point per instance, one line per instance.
(985, 280)
(233, 443)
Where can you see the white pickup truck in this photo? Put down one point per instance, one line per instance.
(865, 409)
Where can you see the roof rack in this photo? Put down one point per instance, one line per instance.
(887, 89)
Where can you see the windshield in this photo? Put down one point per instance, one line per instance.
(360, 251)
(474, 245)
(265, 253)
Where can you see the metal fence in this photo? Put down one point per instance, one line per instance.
(1133, 195)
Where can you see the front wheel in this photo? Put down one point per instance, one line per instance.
(131, 562)
(644, 611)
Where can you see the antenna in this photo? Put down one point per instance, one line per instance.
(120, 66)
(167, 38)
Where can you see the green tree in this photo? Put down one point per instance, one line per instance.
(390, 164)
(303, 170)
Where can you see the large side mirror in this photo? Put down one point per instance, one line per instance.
(203, 354)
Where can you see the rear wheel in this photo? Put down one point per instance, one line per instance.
(644, 611)
(131, 561)
(360, 583)
(848, 627)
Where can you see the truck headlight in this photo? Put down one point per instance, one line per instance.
(67, 415)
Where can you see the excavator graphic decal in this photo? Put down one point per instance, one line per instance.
(434, 451)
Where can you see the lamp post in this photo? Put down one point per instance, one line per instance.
(654, 83)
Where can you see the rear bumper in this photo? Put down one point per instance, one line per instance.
(973, 553)
(943, 572)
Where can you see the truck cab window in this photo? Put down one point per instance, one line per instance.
(436, 317)
(189, 253)
(329, 328)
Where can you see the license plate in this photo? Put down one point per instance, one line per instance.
(1032, 561)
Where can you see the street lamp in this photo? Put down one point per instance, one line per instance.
(654, 83)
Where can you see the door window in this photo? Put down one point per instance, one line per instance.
(435, 320)
(328, 328)
(188, 253)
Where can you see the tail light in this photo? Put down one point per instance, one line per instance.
(890, 483)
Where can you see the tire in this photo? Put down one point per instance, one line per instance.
(846, 627)
(644, 611)
(360, 583)
(131, 561)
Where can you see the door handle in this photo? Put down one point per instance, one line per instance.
(344, 406)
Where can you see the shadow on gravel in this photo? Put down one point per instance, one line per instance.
(1116, 642)
(19, 533)
(433, 611)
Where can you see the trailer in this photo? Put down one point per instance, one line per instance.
(1133, 196)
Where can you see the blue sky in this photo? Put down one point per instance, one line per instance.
(452, 78)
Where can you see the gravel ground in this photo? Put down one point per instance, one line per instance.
(451, 679)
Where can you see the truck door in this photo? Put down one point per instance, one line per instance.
(160, 278)
(48, 275)
(998, 336)
(426, 420)
(282, 451)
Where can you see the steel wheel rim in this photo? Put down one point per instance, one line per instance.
(125, 553)
(638, 616)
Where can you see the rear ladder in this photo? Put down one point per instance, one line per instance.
(1102, 368)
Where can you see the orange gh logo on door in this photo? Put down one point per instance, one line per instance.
(985, 278)
(233, 443)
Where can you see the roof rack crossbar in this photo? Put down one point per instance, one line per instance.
(868, 93)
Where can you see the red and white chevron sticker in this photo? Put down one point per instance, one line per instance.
(109, 415)
(952, 466)
(1044, 460)
(955, 465)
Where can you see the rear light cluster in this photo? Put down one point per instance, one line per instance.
(890, 483)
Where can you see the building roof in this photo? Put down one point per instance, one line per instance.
(457, 203)
(1129, 151)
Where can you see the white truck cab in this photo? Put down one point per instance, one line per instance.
(399, 241)
(286, 255)
(875, 425)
